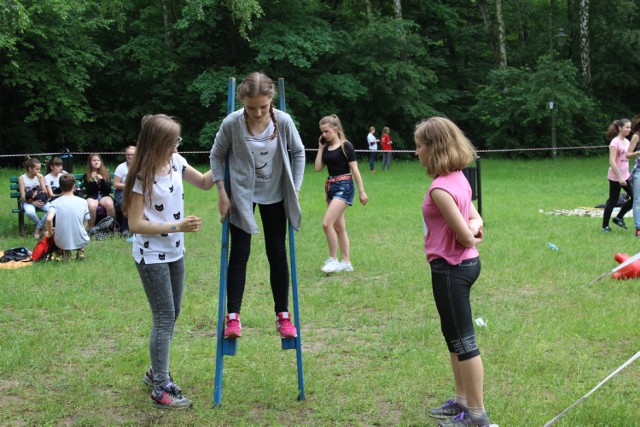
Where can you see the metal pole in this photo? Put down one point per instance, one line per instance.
(294, 279)
(224, 260)
(552, 104)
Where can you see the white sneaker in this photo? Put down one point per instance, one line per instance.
(345, 266)
(331, 265)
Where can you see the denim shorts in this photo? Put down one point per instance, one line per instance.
(341, 190)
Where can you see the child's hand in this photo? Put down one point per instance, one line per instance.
(479, 234)
(224, 205)
(190, 224)
(363, 198)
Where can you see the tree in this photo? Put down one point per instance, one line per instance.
(46, 72)
(585, 51)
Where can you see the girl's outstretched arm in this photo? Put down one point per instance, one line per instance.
(203, 181)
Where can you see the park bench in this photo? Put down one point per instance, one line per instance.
(15, 194)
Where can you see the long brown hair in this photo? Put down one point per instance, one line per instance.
(448, 149)
(258, 84)
(102, 170)
(157, 138)
(615, 127)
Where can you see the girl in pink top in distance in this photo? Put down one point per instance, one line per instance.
(618, 173)
(453, 229)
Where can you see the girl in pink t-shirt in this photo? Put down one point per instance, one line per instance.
(618, 173)
(454, 228)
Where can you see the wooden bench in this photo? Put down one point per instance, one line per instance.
(14, 191)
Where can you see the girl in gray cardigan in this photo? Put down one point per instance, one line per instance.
(257, 138)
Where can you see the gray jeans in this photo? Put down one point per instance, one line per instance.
(163, 283)
(386, 160)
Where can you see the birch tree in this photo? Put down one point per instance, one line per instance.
(585, 51)
(501, 35)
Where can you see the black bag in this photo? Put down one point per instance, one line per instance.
(15, 254)
(36, 195)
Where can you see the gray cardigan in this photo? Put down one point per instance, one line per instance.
(230, 138)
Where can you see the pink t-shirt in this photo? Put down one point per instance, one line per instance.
(440, 240)
(622, 146)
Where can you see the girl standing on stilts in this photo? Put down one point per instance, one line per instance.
(257, 138)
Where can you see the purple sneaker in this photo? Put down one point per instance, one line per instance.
(168, 397)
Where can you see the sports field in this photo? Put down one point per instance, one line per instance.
(74, 337)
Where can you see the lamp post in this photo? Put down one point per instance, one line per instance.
(561, 37)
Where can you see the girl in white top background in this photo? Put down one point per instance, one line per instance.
(33, 194)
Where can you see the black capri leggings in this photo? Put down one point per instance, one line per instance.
(451, 289)
(274, 222)
(614, 195)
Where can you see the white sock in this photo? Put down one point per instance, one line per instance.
(476, 412)
(462, 401)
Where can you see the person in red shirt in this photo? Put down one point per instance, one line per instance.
(385, 141)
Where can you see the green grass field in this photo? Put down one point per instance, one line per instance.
(74, 343)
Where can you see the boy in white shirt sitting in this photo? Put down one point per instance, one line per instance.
(72, 216)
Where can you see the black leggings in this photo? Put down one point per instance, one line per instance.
(274, 224)
(614, 195)
(451, 289)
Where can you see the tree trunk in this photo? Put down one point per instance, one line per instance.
(169, 20)
(585, 51)
(501, 35)
(488, 24)
(398, 5)
(369, 8)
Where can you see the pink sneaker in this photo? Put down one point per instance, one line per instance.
(284, 325)
(233, 328)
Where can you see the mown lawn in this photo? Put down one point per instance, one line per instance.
(74, 340)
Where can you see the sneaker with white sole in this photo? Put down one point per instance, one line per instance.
(233, 328)
(284, 325)
(463, 419)
(331, 265)
(345, 266)
(169, 397)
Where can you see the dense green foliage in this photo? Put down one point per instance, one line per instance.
(79, 74)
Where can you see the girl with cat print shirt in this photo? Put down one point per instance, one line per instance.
(154, 204)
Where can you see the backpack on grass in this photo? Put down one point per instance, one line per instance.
(44, 249)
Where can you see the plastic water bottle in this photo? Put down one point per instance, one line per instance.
(552, 246)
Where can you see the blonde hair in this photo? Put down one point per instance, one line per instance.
(448, 149)
(334, 122)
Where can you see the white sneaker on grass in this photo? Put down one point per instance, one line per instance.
(331, 265)
(345, 266)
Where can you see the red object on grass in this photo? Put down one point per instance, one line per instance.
(631, 271)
